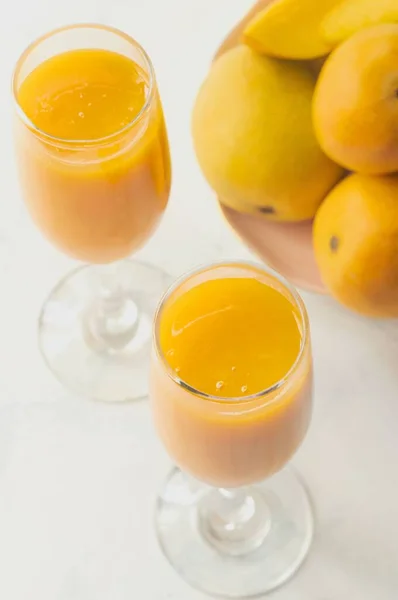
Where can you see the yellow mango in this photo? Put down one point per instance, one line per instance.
(356, 102)
(356, 244)
(254, 139)
(290, 29)
(353, 15)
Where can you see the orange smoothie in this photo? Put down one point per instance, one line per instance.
(93, 152)
(231, 382)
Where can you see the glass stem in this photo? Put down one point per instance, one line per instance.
(113, 317)
(235, 521)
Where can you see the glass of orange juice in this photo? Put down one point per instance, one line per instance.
(94, 165)
(231, 393)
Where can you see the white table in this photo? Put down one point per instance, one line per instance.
(78, 479)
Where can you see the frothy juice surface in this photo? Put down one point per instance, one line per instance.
(99, 185)
(84, 94)
(231, 337)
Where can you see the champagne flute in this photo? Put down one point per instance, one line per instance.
(94, 166)
(231, 393)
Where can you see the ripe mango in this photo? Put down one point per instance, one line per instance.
(353, 15)
(290, 29)
(254, 138)
(356, 244)
(355, 104)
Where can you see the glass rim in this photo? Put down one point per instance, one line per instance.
(57, 141)
(236, 400)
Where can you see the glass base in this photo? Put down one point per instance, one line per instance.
(280, 534)
(95, 329)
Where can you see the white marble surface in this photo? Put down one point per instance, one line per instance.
(77, 479)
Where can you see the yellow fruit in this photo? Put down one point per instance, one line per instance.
(254, 139)
(235, 35)
(356, 244)
(356, 102)
(353, 15)
(234, 38)
(290, 29)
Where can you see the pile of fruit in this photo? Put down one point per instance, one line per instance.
(298, 120)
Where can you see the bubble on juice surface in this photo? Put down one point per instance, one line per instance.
(170, 352)
(233, 368)
(81, 115)
(243, 388)
(45, 107)
(219, 385)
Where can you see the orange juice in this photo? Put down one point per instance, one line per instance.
(232, 399)
(93, 152)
